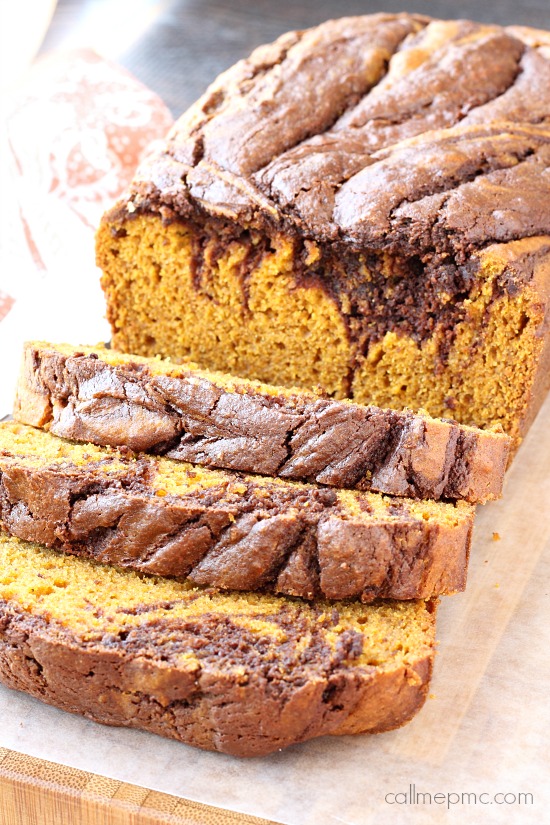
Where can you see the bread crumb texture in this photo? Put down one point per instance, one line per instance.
(292, 332)
(99, 603)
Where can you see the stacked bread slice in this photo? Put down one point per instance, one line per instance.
(219, 420)
(242, 673)
(219, 602)
(228, 530)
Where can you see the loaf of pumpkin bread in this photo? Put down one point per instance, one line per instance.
(99, 395)
(225, 529)
(245, 674)
(361, 206)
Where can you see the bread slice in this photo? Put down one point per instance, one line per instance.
(243, 674)
(217, 420)
(224, 529)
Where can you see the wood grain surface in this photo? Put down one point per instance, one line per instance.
(36, 792)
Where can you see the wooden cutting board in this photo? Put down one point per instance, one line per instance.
(36, 792)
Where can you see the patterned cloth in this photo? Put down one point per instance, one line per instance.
(73, 136)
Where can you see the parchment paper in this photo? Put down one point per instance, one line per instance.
(484, 729)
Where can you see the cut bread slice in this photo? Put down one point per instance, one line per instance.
(217, 420)
(245, 674)
(225, 529)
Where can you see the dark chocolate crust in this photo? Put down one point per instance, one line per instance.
(188, 417)
(139, 681)
(540, 281)
(437, 152)
(241, 533)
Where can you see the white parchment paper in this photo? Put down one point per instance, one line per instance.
(484, 730)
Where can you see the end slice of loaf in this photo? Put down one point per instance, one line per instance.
(218, 420)
(225, 529)
(245, 674)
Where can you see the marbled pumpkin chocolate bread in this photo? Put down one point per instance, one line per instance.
(217, 420)
(362, 206)
(245, 674)
(224, 529)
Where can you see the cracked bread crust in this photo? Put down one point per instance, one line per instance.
(219, 421)
(246, 678)
(226, 530)
(445, 152)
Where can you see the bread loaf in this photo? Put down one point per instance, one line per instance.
(361, 206)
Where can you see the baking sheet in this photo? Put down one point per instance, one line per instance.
(483, 731)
